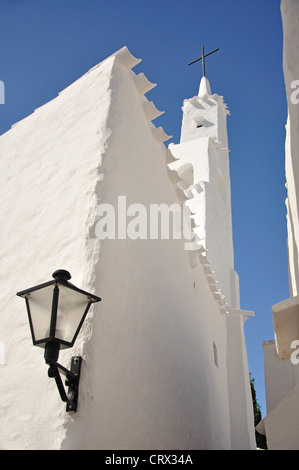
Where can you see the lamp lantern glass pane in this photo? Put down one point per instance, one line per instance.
(72, 306)
(39, 308)
(56, 311)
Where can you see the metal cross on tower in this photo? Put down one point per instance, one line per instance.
(203, 55)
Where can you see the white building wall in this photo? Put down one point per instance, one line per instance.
(281, 423)
(50, 161)
(282, 396)
(203, 145)
(150, 377)
(238, 383)
(281, 375)
(290, 14)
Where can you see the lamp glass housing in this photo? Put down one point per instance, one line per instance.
(56, 311)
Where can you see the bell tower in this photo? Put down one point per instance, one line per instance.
(204, 116)
(202, 162)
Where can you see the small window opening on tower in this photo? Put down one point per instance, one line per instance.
(215, 354)
(199, 120)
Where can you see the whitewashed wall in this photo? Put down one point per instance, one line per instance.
(282, 395)
(204, 146)
(149, 377)
(290, 14)
(281, 374)
(49, 166)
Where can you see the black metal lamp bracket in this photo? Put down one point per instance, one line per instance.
(72, 382)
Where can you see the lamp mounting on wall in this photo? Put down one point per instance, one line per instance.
(56, 311)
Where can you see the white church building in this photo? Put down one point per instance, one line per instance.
(164, 363)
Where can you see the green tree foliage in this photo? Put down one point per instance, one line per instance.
(261, 441)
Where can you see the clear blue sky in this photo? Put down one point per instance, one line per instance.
(46, 45)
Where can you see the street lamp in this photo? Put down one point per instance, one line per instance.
(56, 311)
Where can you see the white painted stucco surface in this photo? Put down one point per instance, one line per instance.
(281, 375)
(50, 161)
(290, 19)
(282, 384)
(204, 147)
(149, 378)
(283, 421)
